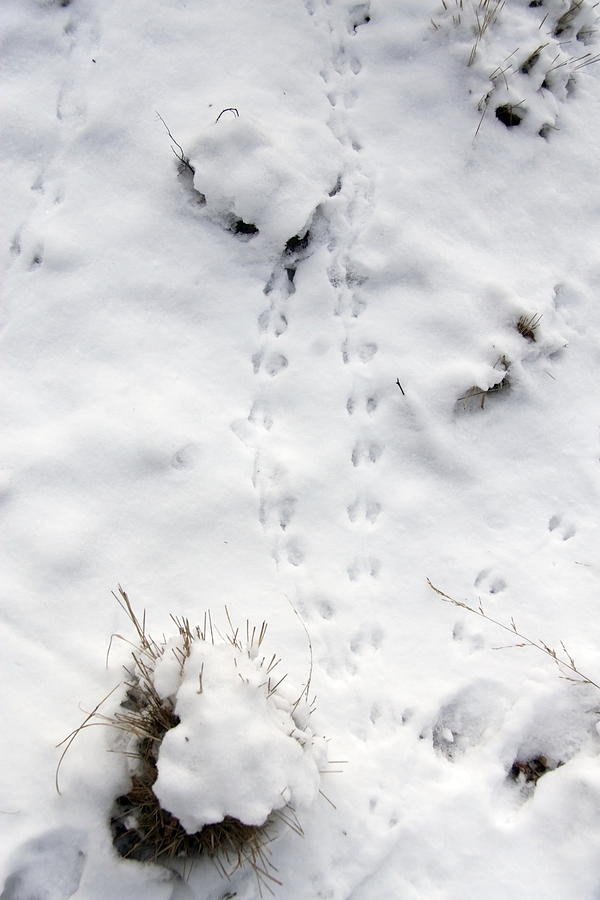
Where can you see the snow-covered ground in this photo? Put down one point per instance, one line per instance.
(305, 419)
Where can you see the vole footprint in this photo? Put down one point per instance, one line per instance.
(565, 530)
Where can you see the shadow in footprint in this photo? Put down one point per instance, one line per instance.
(49, 867)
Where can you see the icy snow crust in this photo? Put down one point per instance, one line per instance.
(209, 419)
(237, 750)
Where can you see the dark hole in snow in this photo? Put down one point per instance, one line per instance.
(185, 174)
(545, 131)
(537, 3)
(296, 243)
(134, 699)
(530, 770)
(530, 62)
(359, 15)
(365, 21)
(241, 227)
(129, 843)
(291, 273)
(586, 35)
(509, 115)
(337, 187)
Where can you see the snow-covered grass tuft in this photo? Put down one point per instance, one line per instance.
(527, 61)
(475, 396)
(475, 18)
(528, 324)
(221, 753)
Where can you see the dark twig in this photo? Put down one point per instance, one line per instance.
(184, 161)
(231, 109)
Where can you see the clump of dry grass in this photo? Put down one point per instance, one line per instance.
(141, 829)
(527, 325)
(564, 22)
(529, 771)
(480, 15)
(476, 396)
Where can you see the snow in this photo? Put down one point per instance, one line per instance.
(241, 170)
(237, 750)
(211, 420)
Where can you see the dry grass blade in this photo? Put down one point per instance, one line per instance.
(528, 64)
(566, 20)
(527, 325)
(184, 162)
(71, 737)
(564, 663)
(306, 690)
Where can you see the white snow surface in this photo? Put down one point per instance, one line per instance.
(253, 171)
(237, 750)
(209, 420)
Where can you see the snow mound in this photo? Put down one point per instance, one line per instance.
(239, 749)
(270, 175)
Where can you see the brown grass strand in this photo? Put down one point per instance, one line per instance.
(566, 663)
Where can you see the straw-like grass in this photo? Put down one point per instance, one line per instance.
(528, 324)
(141, 829)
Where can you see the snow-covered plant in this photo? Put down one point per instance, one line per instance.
(528, 324)
(221, 754)
(527, 55)
(499, 381)
(474, 17)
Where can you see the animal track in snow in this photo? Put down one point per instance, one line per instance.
(465, 720)
(276, 363)
(294, 553)
(277, 500)
(272, 363)
(364, 351)
(366, 451)
(325, 609)
(362, 567)
(490, 583)
(369, 404)
(279, 511)
(259, 415)
(364, 510)
(273, 320)
(15, 244)
(362, 640)
(565, 530)
(49, 867)
(37, 258)
(70, 105)
(357, 16)
(187, 457)
(345, 273)
(461, 634)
